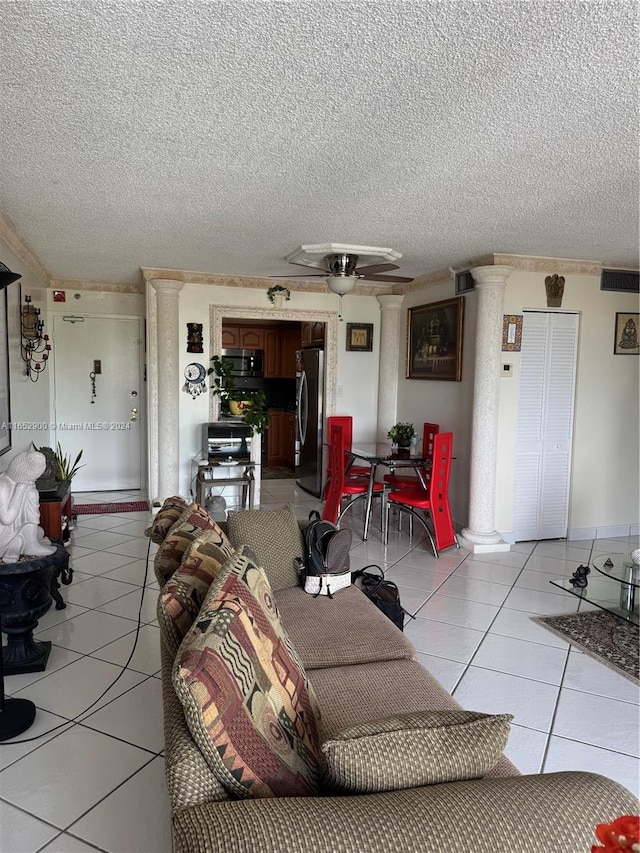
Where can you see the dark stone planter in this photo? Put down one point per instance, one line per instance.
(25, 596)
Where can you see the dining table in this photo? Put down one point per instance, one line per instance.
(392, 457)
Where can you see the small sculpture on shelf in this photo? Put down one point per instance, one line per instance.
(20, 533)
(579, 577)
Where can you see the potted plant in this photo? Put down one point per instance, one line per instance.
(60, 468)
(252, 405)
(277, 294)
(401, 434)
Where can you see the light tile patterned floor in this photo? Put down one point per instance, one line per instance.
(99, 784)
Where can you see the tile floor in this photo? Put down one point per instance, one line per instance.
(99, 784)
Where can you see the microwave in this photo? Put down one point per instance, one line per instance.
(245, 362)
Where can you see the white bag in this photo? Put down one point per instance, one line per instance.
(326, 584)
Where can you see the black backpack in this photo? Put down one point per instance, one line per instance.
(326, 549)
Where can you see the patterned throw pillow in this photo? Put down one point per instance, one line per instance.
(246, 697)
(419, 748)
(193, 521)
(274, 534)
(165, 518)
(182, 596)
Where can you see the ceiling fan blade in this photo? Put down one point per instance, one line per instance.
(302, 275)
(386, 278)
(376, 268)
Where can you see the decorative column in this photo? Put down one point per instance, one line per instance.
(167, 297)
(388, 363)
(481, 534)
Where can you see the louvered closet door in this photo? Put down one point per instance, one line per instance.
(545, 425)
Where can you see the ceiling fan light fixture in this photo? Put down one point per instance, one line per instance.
(341, 284)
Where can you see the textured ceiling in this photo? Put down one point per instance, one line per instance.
(219, 136)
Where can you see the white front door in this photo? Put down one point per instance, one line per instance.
(102, 414)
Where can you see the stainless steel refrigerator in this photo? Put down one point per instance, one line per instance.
(309, 420)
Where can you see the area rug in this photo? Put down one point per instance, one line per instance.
(277, 472)
(601, 635)
(100, 509)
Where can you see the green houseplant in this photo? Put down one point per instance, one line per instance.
(401, 434)
(224, 387)
(278, 290)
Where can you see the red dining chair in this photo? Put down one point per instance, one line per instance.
(346, 422)
(434, 500)
(341, 487)
(429, 432)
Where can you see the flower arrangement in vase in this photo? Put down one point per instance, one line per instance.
(401, 434)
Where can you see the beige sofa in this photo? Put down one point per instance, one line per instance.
(363, 669)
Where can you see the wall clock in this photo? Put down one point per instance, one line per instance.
(195, 374)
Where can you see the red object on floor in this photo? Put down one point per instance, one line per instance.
(100, 509)
(346, 422)
(339, 486)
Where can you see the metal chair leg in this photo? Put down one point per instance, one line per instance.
(415, 514)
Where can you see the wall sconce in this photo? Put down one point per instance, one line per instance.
(35, 345)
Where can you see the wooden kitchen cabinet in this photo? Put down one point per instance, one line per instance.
(251, 337)
(275, 438)
(272, 351)
(231, 337)
(289, 345)
(313, 334)
(289, 439)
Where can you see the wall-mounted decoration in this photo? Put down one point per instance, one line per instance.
(465, 282)
(278, 294)
(194, 337)
(35, 346)
(59, 295)
(626, 340)
(195, 375)
(359, 337)
(512, 333)
(5, 408)
(434, 340)
(554, 286)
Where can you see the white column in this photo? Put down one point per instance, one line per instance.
(389, 356)
(481, 534)
(167, 297)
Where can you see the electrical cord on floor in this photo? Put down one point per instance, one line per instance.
(76, 719)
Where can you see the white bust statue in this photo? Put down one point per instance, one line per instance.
(20, 532)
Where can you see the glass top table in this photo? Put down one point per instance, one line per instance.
(387, 454)
(614, 586)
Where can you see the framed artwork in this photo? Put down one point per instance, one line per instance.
(626, 334)
(359, 337)
(434, 340)
(511, 332)
(5, 409)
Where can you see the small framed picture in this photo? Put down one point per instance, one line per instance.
(511, 332)
(626, 339)
(359, 337)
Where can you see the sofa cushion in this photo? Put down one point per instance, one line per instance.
(193, 521)
(408, 750)
(165, 518)
(183, 594)
(274, 535)
(345, 629)
(246, 696)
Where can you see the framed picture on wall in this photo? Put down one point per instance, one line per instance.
(434, 340)
(359, 337)
(5, 409)
(626, 339)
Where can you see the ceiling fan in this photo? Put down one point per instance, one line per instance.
(341, 271)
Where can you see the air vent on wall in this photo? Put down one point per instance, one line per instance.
(622, 281)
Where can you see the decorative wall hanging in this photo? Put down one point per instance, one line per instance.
(35, 346)
(434, 340)
(626, 339)
(554, 286)
(195, 375)
(194, 337)
(277, 295)
(359, 337)
(512, 333)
